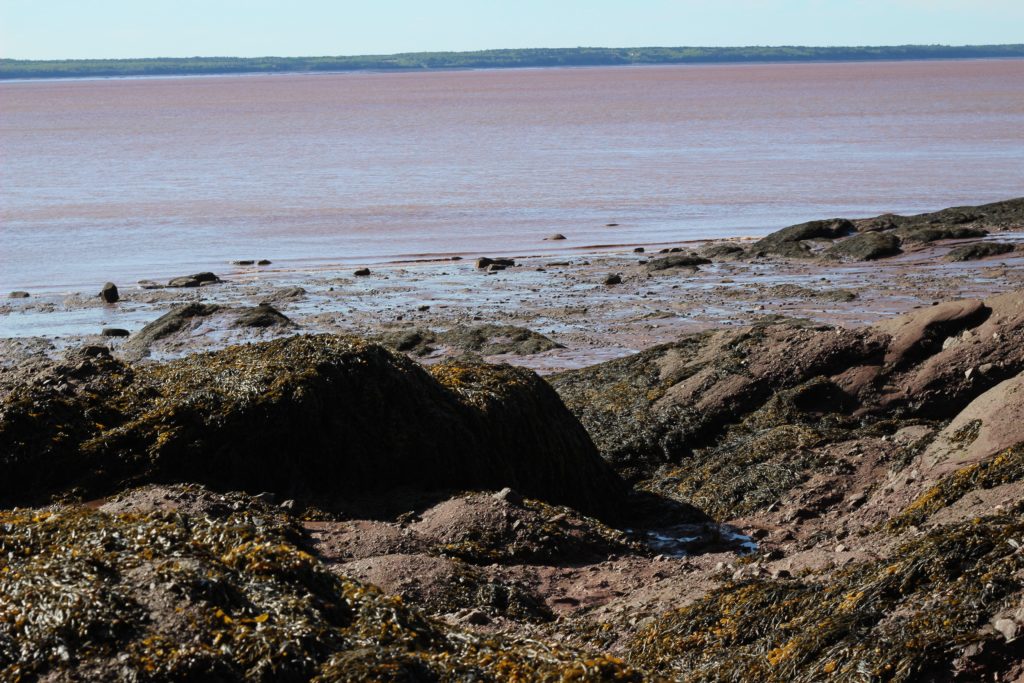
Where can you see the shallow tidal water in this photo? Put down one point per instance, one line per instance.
(124, 179)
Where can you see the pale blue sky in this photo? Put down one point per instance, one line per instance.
(40, 29)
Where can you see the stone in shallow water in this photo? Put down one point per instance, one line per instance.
(109, 293)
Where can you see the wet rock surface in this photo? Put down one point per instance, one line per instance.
(867, 246)
(479, 340)
(178, 327)
(973, 252)
(886, 236)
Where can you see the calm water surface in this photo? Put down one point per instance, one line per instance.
(124, 179)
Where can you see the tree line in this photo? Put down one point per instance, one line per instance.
(489, 59)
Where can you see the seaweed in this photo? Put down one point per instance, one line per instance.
(1007, 466)
(164, 596)
(891, 619)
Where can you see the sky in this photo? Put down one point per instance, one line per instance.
(68, 29)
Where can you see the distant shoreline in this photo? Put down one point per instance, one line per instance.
(15, 69)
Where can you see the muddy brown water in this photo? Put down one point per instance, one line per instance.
(123, 179)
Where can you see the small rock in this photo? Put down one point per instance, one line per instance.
(150, 284)
(266, 497)
(287, 505)
(781, 574)
(114, 332)
(263, 262)
(495, 267)
(611, 225)
(613, 279)
(557, 236)
(484, 262)
(18, 295)
(840, 548)
(196, 280)
(510, 496)
(362, 272)
(477, 618)
(109, 293)
(243, 262)
(985, 368)
(1008, 628)
(423, 308)
(638, 250)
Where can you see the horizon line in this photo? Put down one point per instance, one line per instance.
(381, 55)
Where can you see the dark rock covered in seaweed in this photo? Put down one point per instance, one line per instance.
(673, 261)
(484, 340)
(934, 233)
(109, 293)
(792, 241)
(866, 246)
(883, 236)
(979, 250)
(722, 250)
(321, 416)
(263, 315)
(86, 595)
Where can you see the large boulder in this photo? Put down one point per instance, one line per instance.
(979, 250)
(791, 241)
(673, 261)
(179, 327)
(866, 246)
(322, 417)
(182, 318)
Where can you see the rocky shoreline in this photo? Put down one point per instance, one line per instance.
(771, 476)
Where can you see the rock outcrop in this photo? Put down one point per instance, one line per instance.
(888, 235)
(176, 327)
(657, 405)
(321, 417)
(484, 340)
